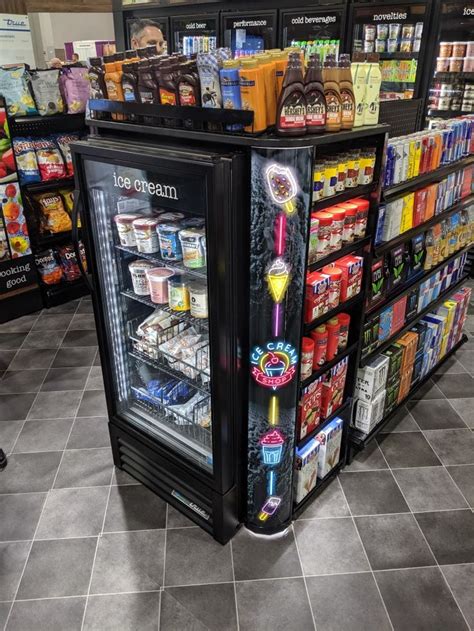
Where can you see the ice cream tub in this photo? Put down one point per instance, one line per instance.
(138, 272)
(158, 284)
(144, 229)
(170, 246)
(178, 293)
(126, 234)
(198, 300)
(193, 247)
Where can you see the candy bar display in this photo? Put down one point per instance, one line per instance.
(339, 172)
(332, 285)
(386, 380)
(423, 152)
(385, 324)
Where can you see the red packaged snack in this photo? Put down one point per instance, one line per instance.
(68, 261)
(63, 141)
(309, 411)
(317, 296)
(333, 388)
(351, 267)
(50, 161)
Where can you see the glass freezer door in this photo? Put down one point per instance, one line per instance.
(151, 257)
(193, 34)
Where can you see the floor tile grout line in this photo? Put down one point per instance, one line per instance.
(429, 547)
(367, 557)
(304, 576)
(160, 604)
(456, 412)
(234, 586)
(458, 487)
(96, 550)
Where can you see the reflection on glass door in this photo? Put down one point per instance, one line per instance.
(248, 33)
(193, 34)
(153, 280)
(395, 33)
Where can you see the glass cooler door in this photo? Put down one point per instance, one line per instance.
(248, 32)
(398, 34)
(149, 227)
(194, 33)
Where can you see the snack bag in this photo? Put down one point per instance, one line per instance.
(14, 86)
(67, 195)
(75, 88)
(27, 164)
(53, 217)
(48, 267)
(50, 161)
(82, 254)
(68, 261)
(45, 85)
(14, 218)
(63, 141)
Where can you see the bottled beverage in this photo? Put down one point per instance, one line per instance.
(332, 94)
(291, 110)
(374, 81)
(347, 92)
(314, 93)
(359, 81)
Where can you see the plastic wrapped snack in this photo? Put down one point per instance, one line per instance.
(14, 86)
(45, 85)
(50, 160)
(63, 141)
(27, 164)
(68, 261)
(48, 267)
(74, 86)
(67, 195)
(82, 254)
(53, 217)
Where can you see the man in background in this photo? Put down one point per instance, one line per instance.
(146, 33)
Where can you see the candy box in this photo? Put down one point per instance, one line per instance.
(351, 267)
(419, 206)
(392, 220)
(330, 450)
(317, 296)
(417, 254)
(310, 408)
(417, 365)
(398, 318)
(306, 469)
(391, 397)
(334, 382)
(411, 308)
(371, 378)
(385, 324)
(408, 342)
(370, 336)
(380, 224)
(369, 413)
(394, 355)
(407, 212)
(377, 281)
(397, 267)
(431, 194)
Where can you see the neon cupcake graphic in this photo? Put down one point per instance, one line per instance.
(272, 447)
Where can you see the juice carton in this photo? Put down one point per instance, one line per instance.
(334, 382)
(309, 412)
(330, 450)
(371, 378)
(306, 469)
(398, 317)
(351, 280)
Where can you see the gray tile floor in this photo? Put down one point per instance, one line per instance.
(388, 545)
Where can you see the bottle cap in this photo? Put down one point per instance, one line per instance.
(333, 322)
(307, 345)
(230, 63)
(324, 218)
(344, 319)
(130, 54)
(334, 273)
(249, 63)
(95, 61)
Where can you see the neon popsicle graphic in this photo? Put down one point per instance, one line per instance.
(282, 186)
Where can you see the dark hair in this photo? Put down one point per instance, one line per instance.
(139, 25)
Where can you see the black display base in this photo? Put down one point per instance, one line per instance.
(20, 304)
(59, 294)
(358, 441)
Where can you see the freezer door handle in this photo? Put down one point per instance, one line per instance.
(75, 239)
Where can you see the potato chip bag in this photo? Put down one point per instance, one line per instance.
(50, 161)
(68, 200)
(74, 86)
(27, 165)
(68, 261)
(14, 86)
(48, 267)
(45, 85)
(63, 141)
(53, 217)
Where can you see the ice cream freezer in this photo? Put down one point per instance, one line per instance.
(197, 243)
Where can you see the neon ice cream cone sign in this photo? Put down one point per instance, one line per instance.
(278, 279)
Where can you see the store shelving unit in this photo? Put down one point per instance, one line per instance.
(38, 126)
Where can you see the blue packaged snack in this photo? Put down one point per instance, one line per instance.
(27, 164)
(15, 87)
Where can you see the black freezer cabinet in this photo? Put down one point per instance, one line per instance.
(248, 32)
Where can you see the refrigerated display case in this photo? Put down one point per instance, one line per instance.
(170, 349)
(160, 21)
(246, 32)
(194, 33)
(319, 30)
(451, 92)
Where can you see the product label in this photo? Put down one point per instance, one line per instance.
(187, 95)
(315, 109)
(128, 92)
(96, 92)
(293, 113)
(348, 109)
(333, 107)
(146, 96)
(111, 90)
(167, 97)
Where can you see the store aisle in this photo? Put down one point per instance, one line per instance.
(388, 545)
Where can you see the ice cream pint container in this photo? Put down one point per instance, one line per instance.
(198, 300)
(126, 233)
(158, 284)
(138, 272)
(145, 235)
(194, 252)
(170, 246)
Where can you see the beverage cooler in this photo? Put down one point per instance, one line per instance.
(192, 34)
(170, 350)
(246, 32)
(399, 34)
(451, 91)
(161, 21)
(319, 30)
